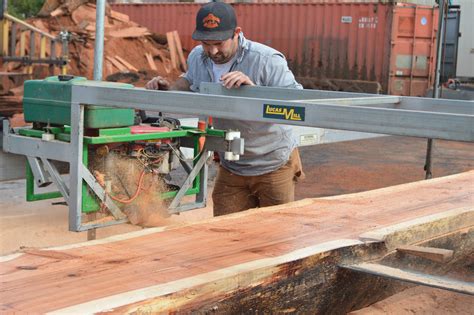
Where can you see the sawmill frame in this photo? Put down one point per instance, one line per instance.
(393, 115)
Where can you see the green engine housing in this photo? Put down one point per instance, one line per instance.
(49, 101)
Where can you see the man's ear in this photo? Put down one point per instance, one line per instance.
(237, 31)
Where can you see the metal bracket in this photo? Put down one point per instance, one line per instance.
(413, 277)
(174, 207)
(101, 194)
(56, 177)
(41, 178)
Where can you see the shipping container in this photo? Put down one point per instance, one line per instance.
(465, 59)
(392, 44)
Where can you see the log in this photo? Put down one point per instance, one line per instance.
(279, 259)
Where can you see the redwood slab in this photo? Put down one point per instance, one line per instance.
(152, 266)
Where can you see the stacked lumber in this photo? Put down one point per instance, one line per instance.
(176, 51)
(281, 259)
(132, 54)
(11, 93)
(129, 47)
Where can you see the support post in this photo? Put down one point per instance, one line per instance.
(436, 87)
(99, 40)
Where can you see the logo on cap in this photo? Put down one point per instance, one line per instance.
(211, 21)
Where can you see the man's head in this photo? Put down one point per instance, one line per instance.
(216, 28)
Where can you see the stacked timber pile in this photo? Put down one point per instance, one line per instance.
(132, 53)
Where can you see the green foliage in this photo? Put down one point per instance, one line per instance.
(23, 9)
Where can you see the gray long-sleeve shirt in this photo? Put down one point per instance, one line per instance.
(267, 146)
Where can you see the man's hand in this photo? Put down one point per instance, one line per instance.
(235, 79)
(158, 83)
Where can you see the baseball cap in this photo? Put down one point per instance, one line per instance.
(215, 21)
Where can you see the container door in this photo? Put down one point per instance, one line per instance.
(412, 56)
(450, 45)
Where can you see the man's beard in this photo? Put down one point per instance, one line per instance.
(218, 58)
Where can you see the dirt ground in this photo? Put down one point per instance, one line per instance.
(331, 169)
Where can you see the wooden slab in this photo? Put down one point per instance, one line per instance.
(435, 254)
(119, 16)
(186, 268)
(179, 49)
(128, 32)
(126, 64)
(172, 48)
(116, 63)
(151, 62)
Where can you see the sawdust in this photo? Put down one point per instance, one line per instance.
(138, 190)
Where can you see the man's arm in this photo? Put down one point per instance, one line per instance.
(276, 73)
(160, 83)
(180, 85)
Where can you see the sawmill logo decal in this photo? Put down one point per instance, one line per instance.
(211, 21)
(283, 112)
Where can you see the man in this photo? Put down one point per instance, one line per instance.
(267, 172)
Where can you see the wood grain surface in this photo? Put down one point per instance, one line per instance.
(48, 280)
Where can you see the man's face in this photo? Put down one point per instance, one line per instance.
(221, 51)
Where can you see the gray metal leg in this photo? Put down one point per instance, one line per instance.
(75, 168)
(100, 192)
(56, 177)
(173, 208)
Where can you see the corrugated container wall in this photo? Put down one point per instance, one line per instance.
(391, 44)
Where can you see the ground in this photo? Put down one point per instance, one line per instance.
(331, 169)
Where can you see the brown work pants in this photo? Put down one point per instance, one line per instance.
(234, 193)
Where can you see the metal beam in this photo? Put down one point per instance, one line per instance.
(416, 123)
(406, 102)
(414, 277)
(353, 101)
(51, 150)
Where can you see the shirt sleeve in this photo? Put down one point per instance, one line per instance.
(277, 74)
(190, 75)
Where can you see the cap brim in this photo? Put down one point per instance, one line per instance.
(220, 35)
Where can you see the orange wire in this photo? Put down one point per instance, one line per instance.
(137, 192)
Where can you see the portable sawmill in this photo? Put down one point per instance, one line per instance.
(121, 149)
(83, 122)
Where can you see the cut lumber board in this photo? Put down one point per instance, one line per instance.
(128, 32)
(86, 13)
(172, 48)
(179, 49)
(57, 12)
(119, 16)
(126, 64)
(256, 255)
(435, 254)
(151, 62)
(117, 64)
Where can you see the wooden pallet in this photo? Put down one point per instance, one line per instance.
(276, 259)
